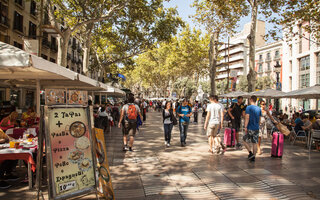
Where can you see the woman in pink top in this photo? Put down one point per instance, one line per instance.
(9, 121)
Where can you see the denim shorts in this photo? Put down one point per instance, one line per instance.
(252, 136)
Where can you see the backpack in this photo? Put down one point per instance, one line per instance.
(132, 113)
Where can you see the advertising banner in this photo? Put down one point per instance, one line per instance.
(105, 186)
(70, 151)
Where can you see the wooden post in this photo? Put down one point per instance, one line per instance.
(39, 166)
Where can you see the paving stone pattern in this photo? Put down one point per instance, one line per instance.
(154, 171)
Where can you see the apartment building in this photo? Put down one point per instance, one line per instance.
(267, 57)
(19, 21)
(301, 64)
(235, 56)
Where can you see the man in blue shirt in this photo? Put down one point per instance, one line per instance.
(251, 124)
(184, 112)
(298, 123)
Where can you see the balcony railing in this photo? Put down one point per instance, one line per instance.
(268, 59)
(46, 43)
(276, 58)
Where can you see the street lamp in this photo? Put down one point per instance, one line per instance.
(278, 84)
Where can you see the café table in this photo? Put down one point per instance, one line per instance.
(7, 153)
(17, 132)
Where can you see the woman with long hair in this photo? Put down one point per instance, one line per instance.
(168, 116)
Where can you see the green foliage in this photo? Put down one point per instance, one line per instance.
(184, 56)
(205, 87)
(222, 87)
(243, 84)
(184, 87)
(265, 82)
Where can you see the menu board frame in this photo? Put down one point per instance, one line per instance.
(52, 184)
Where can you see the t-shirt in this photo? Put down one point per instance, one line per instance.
(126, 107)
(254, 117)
(299, 123)
(167, 120)
(184, 110)
(237, 110)
(215, 110)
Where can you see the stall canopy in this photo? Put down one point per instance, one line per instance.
(312, 92)
(233, 94)
(21, 69)
(267, 93)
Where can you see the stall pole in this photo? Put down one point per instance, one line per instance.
(38, 96)
(317, 105)
(100, 98)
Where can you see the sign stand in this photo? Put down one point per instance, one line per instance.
(67, 133)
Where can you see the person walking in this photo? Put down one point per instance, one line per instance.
(184, 113)
(195, 111)
(129, 113)
(214, 122)
(204, 109)
(251, 124)
(236, 111)
(167, 115)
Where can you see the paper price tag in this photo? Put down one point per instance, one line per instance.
(67, 186)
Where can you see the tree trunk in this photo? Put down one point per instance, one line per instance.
(63, 44)
(251, 77)
(213, 54)
(86, 49)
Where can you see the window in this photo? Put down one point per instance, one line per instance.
(4, 14)
(260, 58)
(268, 57)
(300, 38)
(18, 22)
(33, 8)
(269, 68)
(260, 68)
(44, 56)
(32, 30)
(290, 50)
(305, 63)
(304, 80)
(277, 54)
(20, 2)
(290, 66)
(17, 44)
(53, 60)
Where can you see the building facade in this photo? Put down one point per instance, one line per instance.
(267, 57)
(235, 56)
(19, 23)
(301, 65)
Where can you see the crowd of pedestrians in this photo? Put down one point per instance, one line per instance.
(256, 121)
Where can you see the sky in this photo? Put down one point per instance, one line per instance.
(185, 12)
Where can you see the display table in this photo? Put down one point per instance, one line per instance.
(17, 133)
(20, 154)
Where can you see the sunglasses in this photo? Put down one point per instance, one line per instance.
(263, 104)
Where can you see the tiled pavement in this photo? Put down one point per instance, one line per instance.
(153, 171)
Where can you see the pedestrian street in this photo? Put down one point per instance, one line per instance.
(154, 171)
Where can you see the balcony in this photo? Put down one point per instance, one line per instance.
(260, 61)
(234, 50)
(46, 43)
(79, 61)
(277, 58)
(68, 56)
(73, 60)
(74, 45)
(268, 59)
(4, 22)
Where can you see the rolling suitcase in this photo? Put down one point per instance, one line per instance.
(229, 137)
(277, 144)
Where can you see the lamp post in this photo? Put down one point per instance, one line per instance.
(278, 84)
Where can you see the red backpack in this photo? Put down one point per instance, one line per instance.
(132, 113)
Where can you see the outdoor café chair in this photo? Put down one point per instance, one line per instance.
(315, 136)
(297, 135)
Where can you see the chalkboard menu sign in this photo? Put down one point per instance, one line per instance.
(71, 160)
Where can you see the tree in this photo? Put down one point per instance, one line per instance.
(219, 18)
(298, 11)
(243, 83)
(265, 82)
(121, 28)
(222, 87)
(267, 8)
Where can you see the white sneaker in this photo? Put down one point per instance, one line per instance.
(168, 144)
(165, 143)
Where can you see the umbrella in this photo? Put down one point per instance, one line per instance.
(267, 93)
(312, 92)
(233, 94)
